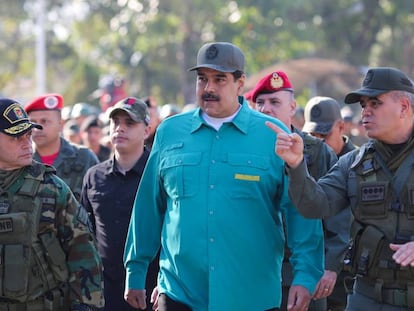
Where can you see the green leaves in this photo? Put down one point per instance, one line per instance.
(151, 43)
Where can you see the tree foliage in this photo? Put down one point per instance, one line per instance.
(151, 43)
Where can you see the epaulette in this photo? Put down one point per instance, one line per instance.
(365, 149)
(37, 169)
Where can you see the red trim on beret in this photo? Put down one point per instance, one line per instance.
(273, 82)
(45, 102)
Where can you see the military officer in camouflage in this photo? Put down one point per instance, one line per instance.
(377, 181)
(70, 161)
(48, 255)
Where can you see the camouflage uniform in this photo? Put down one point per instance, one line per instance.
(71, 164)
(49, 260)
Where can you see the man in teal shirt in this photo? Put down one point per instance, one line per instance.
(212, 197)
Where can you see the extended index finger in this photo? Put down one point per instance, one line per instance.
(274, 127)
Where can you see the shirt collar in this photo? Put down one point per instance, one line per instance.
(240, 121)
(137, 168)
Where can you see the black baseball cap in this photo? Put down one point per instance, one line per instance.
(381, 80)
(14, 120)
(220, 56)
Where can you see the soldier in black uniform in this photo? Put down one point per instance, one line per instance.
(108, 195)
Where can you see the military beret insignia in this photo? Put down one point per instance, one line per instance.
(276, 81)
(51, 102)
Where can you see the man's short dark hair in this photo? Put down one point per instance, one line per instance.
(237, 74)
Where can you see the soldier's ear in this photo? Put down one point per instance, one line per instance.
(241, 81)
(341, 125)
(405, 106)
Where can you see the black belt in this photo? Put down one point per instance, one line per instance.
(392, 296)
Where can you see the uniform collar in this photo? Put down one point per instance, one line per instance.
(110, 164)
(240, 121)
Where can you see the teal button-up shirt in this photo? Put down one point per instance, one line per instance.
(213, 201)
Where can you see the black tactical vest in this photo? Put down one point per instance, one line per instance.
(383, 209)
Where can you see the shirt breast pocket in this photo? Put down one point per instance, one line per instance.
(180, 174)
(248, 173)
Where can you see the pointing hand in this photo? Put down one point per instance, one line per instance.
(289, 147)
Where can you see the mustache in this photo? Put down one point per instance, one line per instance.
(207, 96)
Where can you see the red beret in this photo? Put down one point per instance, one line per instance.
(274, 82)
(45, 102)
(248, 95)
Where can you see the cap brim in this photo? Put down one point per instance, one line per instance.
(319, 128)
(24, 131)
(32, 126)
(131, 115)
(37, 126)
(355, 97)
(215, 67)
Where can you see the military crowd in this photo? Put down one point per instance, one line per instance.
(243, 201)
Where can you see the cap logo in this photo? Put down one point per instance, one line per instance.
(130, 101)
(14, 113)
(368, 78)
(276, 81)
(51, 102)
(19, 112)
(211, 52)
(316, 112)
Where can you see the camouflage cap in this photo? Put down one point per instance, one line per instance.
(220, 56)
(381, 80)
(136, 109)
(14, 120)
